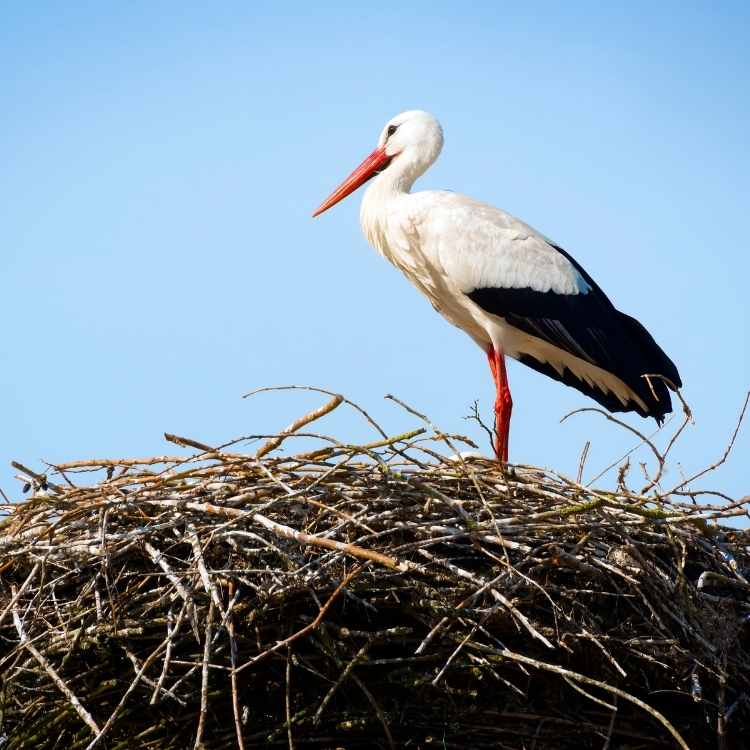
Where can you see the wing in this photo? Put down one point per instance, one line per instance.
(479, 246)
(585, 325)
(573, 332)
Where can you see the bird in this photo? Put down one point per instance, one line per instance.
(511, 289)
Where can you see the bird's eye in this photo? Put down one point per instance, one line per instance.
(391, 130)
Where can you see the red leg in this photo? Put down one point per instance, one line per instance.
(503, 402)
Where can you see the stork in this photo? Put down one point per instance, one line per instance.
(515, 292)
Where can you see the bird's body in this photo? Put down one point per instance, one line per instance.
(505, 284)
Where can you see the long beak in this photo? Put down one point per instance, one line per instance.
(376, 161)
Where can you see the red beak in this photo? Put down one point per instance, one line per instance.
(376, 161)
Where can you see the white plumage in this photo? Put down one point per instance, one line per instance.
(506, 285)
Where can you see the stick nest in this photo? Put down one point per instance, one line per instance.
(366, 596)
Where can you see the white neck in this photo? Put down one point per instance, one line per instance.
(413, 140)
(393, 182)
(400, 174)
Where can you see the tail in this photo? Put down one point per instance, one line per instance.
(649, 359)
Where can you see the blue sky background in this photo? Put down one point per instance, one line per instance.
(159, 163)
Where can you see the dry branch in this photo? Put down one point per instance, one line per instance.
(376, 595)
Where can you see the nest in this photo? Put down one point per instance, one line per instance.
(383, 595)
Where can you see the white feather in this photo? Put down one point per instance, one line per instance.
(448, 244)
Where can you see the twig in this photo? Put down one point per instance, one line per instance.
(724, 456)
(233, 673)
(208, 584)
(506, 654)
(204, 677)
(349, 549)
(17, 595)
(356, 407)
(653, 581)
(184, 442)
(118, 708)
(298, 423)
(644, 440)
(62, 687)
(173, 628)
(314, 624)
(342, 677)
(287, 700)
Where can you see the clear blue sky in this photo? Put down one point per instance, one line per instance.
(159, 163)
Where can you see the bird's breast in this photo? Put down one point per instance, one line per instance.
(396, 240)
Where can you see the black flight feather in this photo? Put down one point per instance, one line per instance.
(588, 326)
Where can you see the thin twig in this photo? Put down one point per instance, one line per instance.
(61, 685)
(298, 423)
(506, 654)
(207, 635)
(314, 624)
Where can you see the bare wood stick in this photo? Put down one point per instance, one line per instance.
(233, 673)
(493, 592)
(455, 653)
(350, 549)
(438, 433)
(354, 406)
(158, 559)
(314, 624)
(287, 698)
(298, 423)
(342, 677)
(611, 727)
(378, 711)
(59, 682)
(17, 595)
(103, 463)
(184, 442)
(204, 677)
(285, 532)
(118, 708)
(582, 461)
(588, 695)
(506, 654)
(687, 419)
(354, 448)
(625, 425)
(461, 605)
(723, 457)
(208, 585)
(148, 681)
(173, 628)
(609, 656)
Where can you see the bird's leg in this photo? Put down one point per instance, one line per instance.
(503, 402)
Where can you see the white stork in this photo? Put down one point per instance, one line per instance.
(515, 292)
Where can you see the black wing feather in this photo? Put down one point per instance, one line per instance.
(588, 326)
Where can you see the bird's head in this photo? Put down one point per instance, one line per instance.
(408, 144)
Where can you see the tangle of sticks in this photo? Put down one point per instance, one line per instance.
(389, 594)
